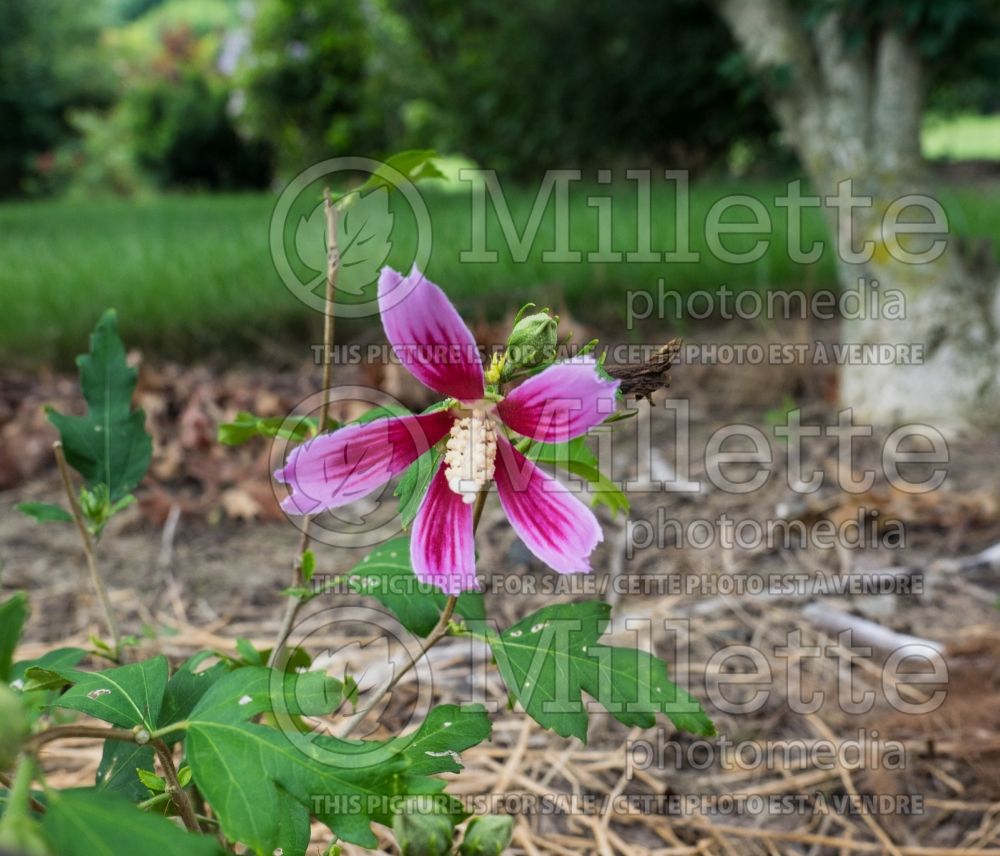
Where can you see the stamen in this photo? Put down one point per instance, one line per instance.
(470, 459)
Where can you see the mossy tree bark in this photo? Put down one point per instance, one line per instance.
(851, 105)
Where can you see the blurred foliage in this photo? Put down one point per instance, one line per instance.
(307, 80)
(531, 84)
(50, 62)
(125, 95)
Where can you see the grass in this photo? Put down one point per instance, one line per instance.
(962, 137)
(192, 275)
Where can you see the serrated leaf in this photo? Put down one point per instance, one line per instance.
(125, 696)
(94, 823)
(13, 614)
(386, 575)
(45, 512)
(363, 230)
(577, 458)
(264, 783)
(124, 769)
(109, 446)
(414, 164)
(549, 659)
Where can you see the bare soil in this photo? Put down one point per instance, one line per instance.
(203, 557)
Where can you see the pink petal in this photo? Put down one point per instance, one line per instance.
(337, 468)
(442, 549)
(558, 528)
(560, 403)
(428, 335)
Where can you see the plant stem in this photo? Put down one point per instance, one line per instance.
(88, 546)
(294, 604)
(154, 801)
(61, 732)
(180, 796)
(436, 635)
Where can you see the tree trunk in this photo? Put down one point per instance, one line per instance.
(854, 113)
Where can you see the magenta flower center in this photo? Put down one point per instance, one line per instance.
(470, 459)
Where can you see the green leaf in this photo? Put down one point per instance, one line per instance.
(415, 165)
(246, 426)
(549, 659)
(45, 512)
(386, 575)
(13, 614)
(264, 783)
(248, 654)
(124, 769)
(378, 412)
(57, 658)
(487, 835)
(577, 458)
(307, 566)
(37, 698)
(153, 783)
(125, 696)
(187, 686)
(363, 230)
(414, 482)
(109, 445)
(94, 823)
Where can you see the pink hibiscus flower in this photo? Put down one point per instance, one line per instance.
(556, 405)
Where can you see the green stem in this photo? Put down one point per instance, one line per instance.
(294, 604)
(152, 802)
(19, 797)
(88, 548)
(441, 629)
(60, 732)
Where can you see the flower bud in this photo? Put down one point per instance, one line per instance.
(532, 342)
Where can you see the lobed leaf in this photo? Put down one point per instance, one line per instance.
(109, 446)
(551, 658)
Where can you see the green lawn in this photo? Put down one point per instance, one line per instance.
(962, 137)
(192, 275)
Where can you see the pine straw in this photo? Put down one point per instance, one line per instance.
(952, 754)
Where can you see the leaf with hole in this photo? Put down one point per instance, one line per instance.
(125, 696)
